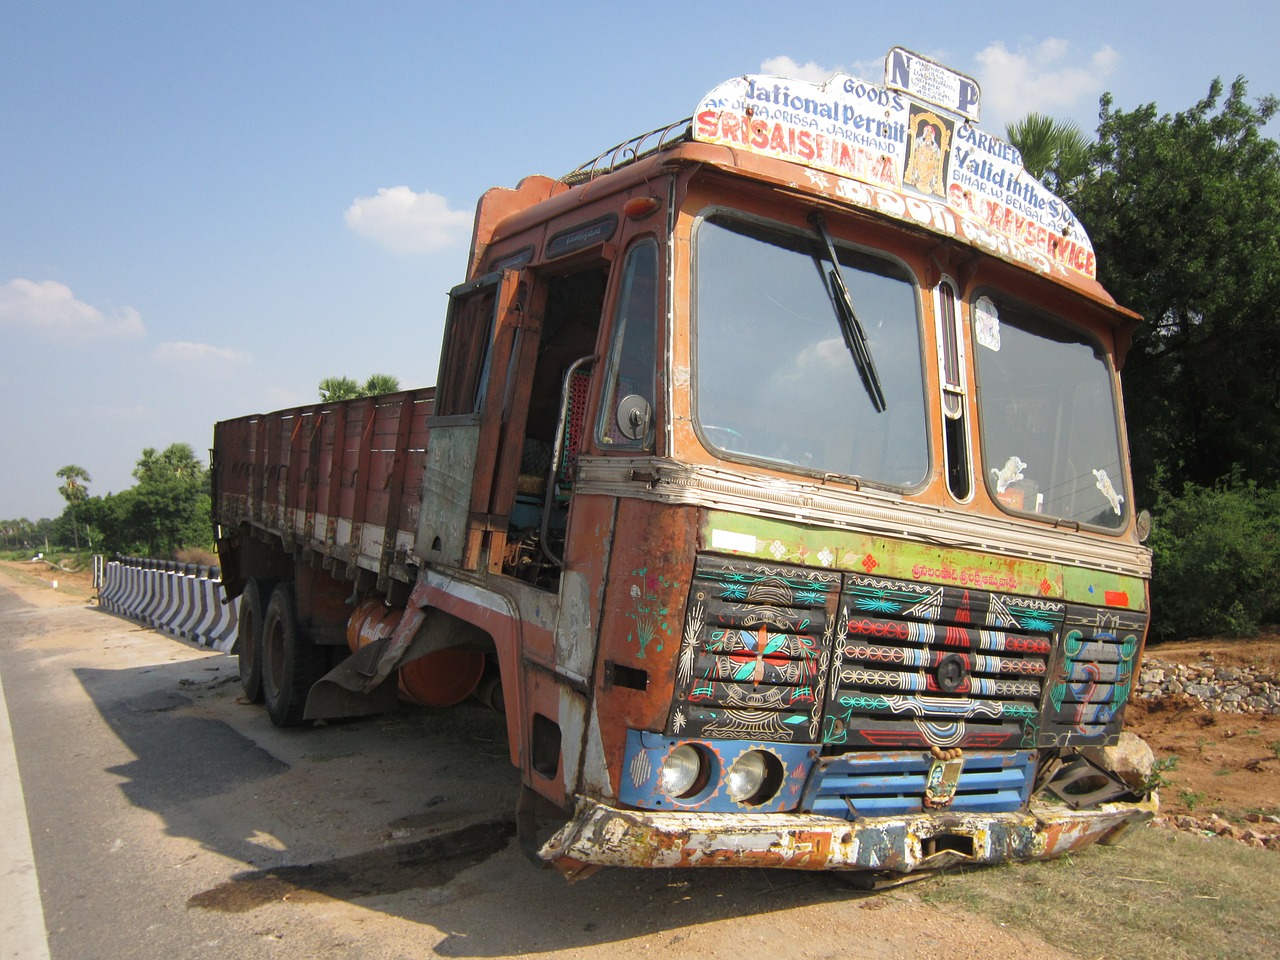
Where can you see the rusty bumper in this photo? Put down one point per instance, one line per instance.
(602, 835)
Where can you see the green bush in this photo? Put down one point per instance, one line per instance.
(1216, 557)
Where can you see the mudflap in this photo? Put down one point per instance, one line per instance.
(342, 691)
(228, 550)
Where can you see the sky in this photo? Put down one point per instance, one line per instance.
(208, 207)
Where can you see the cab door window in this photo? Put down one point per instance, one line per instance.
(626, 420)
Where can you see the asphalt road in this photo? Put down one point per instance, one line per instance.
(166, 818)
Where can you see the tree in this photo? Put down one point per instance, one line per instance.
(338, 388)
(175, 462)
(17, 533)
(167, 510)
(74, 490)
(344, 388)
(380, 383)
(169, 507)
(1053, 151)
(1184, 212)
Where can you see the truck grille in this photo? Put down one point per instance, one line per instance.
(801, 655)
(893, 784)
(918, 665)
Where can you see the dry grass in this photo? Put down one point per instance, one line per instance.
(1159, 894)
(196, 555)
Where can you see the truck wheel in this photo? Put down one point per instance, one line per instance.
(249, 637)
(291, 664)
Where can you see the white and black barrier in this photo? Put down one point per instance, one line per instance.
(182, 599)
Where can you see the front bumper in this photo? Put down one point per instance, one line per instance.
(602, 835)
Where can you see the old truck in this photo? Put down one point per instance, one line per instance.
(774, 484)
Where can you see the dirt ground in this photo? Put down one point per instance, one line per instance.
(1227, 765)
(318, 858)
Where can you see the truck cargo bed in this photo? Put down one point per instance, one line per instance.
(342, 479)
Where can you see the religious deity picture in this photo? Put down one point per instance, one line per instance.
(928, 149)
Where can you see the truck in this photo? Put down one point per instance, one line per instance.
(774, 485)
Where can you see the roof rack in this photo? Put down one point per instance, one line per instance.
(629, 151)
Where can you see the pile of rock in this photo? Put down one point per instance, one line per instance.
(1220, 688)
(1262, 831)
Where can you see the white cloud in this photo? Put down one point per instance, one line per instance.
(786, 67)
(51, 309)
(184, 351)
(1044, 78)
(869, 70)
(406, 222)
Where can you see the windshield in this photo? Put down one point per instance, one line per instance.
(776, 380)
(1050, 438)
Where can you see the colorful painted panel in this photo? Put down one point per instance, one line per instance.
(1092, 677)
(927, 666)
(755, 654)
(817, 547)
(774, 653)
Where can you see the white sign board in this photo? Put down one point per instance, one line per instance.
(903, 156)
(932, 83)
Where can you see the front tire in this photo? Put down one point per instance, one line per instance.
(291, 664)
(249, 636)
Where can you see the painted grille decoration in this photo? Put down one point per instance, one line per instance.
(882, 672)
(756, 653)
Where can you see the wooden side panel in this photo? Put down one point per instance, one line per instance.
(341, 478)
(415, 464)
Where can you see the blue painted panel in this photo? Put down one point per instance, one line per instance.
(642, 764)
(892, 784)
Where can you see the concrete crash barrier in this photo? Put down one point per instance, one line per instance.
(181, 599)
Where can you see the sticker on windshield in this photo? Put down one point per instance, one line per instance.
(1009, 474)
(1108, 491)
(986, 323)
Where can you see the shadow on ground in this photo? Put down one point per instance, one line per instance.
(408, 814)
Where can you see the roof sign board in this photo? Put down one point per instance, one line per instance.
(932, 82)
(903, 156)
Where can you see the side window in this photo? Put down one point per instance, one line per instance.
(626, 412)
(951, 374)
(464, 359)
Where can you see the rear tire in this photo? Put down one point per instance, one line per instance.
(291, 664)
(249, 636)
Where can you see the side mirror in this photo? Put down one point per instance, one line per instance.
(634, 416)
(1144, 526)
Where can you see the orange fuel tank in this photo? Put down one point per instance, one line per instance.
(440, 679)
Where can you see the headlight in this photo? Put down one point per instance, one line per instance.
(685, 771)
(754, 777)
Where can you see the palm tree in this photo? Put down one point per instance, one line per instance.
(380, 383)
(338, 388)
(74, 490)
(1053, 151)
(344, 388)
(176, 461)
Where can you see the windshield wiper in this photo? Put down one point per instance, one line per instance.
(854, 337)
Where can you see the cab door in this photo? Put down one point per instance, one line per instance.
(486, 333)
